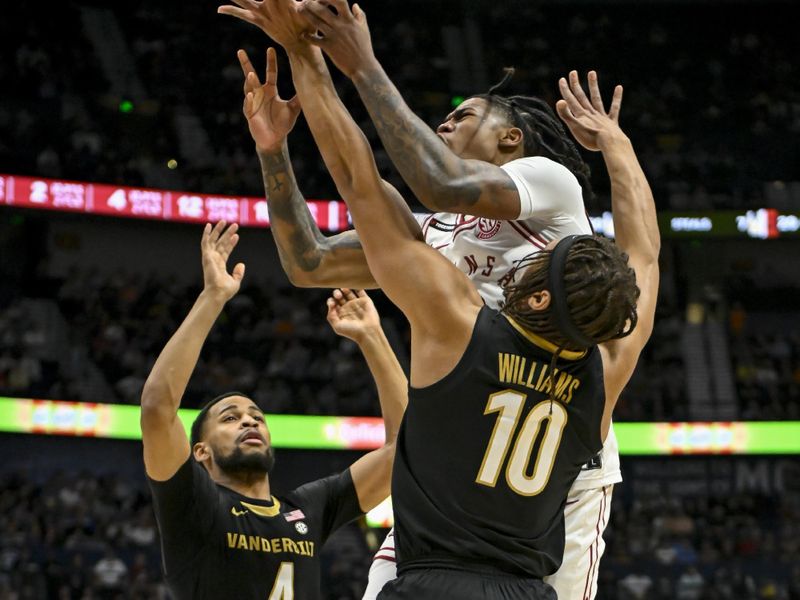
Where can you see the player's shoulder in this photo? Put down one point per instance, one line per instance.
(540, 166)
(320, 490)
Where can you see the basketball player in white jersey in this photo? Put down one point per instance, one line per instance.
(510, 181)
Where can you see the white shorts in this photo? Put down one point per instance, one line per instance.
(383, 568)
(585, 518)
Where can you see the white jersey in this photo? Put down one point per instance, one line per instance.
(490, 252)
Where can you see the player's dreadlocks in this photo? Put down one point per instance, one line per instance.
(599, 292)
(543, 133)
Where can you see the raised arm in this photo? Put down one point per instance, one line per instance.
(166, 446)
(309, 258)
(439, 301)
(353, 315)
(634, 213)
(440, 179)
(424, 285)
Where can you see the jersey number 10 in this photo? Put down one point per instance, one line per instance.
(510, 404)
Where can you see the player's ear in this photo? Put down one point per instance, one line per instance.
(539, 300)
(510, 138)
(201, 452)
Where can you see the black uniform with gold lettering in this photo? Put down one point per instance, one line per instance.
(219, 544)
(484, 463)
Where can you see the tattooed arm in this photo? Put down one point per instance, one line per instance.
(442, 180)
(309, 258)
(439, 300)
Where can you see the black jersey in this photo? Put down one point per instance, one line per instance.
(219, 544)
(485, 460)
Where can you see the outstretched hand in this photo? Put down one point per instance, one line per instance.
(279, 19)
(343, 35)
(586, 117)
(269, 117)
(352, 314)
(216, 246)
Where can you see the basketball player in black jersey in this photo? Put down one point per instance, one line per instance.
(505, 406)
(224, 533)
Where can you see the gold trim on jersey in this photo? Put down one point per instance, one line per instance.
(544, 344)
(264, 511)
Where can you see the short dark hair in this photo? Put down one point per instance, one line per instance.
(600, 293)
(542, 131)
(200, 419)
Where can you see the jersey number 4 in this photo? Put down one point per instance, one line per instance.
(283, 588)
(509, 405)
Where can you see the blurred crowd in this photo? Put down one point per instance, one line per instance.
(742, 547)
(767, 367)
(272, 342)
(83, 537)
(711, 104)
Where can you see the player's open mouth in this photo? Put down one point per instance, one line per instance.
(252, 439)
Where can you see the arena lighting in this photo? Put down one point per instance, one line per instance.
(120, 421)
(331, 215)
(144, 203)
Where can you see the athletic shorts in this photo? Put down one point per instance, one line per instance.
(454, 584)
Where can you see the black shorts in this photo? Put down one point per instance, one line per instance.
(454, 584)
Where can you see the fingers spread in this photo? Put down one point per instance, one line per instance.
(244, 3)
(577, 90)
(228, 240)
(217, 231)
(239, 13)
(572, 102)
(251, 83)
(348, 294)
(272, 67)
(564, 112)
(244, 61)
(238, 271)
(594, 92)
(616, 103)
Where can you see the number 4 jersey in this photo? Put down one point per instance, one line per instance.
(219, 544)
(485, 459)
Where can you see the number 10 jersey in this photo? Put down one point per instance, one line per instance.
(485, 459)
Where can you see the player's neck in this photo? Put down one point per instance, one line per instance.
(254, 485)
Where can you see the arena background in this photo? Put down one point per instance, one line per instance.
(121, 133)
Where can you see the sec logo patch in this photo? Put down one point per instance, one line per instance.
(301, 528)
(487, 228)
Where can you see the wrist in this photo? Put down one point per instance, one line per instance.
(365, 69)
(369, 338)
(303, 51)
(266, 152)
(214, 296)
(608, 141)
